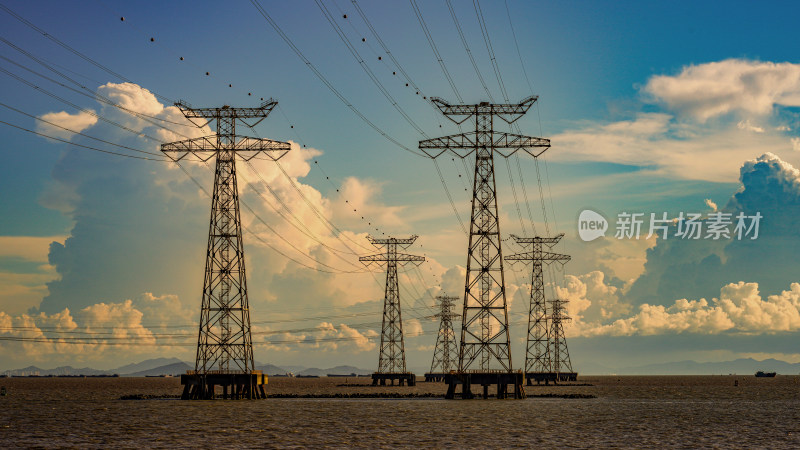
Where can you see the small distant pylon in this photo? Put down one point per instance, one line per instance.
(562, 366)
(392, 358)
(538, 361)
(445, 354)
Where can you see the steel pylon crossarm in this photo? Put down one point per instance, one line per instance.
(398, 258)
(528, 257)
(205, 148)
(227, 112)
(506, 144)
(508, 112)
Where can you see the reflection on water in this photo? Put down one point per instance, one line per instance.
(628, 412)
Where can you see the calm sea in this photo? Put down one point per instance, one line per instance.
(669, 411)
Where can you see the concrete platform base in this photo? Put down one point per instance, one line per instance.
(235, 386)
(485, 379)
(402, 379)
(548, 377)
(434, 377)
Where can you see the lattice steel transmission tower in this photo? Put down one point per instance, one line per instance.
(224, 345)
(484, 354)
(445, 354)
(392, 358)
(562, 366)
(538, 363)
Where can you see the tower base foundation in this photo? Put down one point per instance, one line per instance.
(380, 379)
(509, 384)
(235, 386)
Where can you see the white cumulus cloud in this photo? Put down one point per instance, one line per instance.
(63, 124)
(712, 89)
(740, 308)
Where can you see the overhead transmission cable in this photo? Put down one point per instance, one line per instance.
(296, 222)
(365, 67)
(418, 90)
(79, 145)
(83, 90)
(116, 153)
(84, 110)
(325, 81)
(432, 44)
(73, 51)
(82, 134)
(547, 175)
(466, 48)
(97, 64)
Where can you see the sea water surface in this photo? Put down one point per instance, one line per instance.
(657, 411)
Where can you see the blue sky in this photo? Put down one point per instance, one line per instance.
(650, 108)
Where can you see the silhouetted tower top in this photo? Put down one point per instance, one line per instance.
(464, 144)
(226, 142)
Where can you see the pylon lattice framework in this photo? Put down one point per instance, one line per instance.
(484, 327)
(392, 357)
(537, 353)
(224, 343)
(558, 341)
(446, 351)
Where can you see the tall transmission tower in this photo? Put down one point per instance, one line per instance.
(445, 354)
(562, 366)
(484, 354)
(224, 344)
(538, 363)
(392, 358)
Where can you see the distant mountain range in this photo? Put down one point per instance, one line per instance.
(338, 370)
(174, 367)
(63, 370)
(739, 366)
(147, 366)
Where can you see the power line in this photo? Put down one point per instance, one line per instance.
(449, 197)
(72, 50)
(386, 48)
(88, 93)
(109, 121)
(436, 53)
(469, 52)
(84, 110)
(80, 145)
(487, 40)
(78, 133)
(366, 68)
(299, 225)
(516, 45)
(408, 78)
(325, 81)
